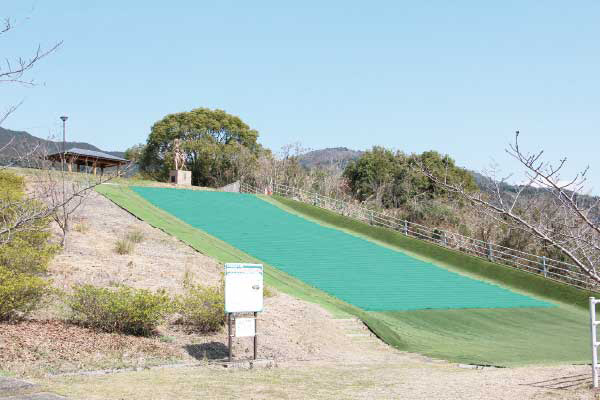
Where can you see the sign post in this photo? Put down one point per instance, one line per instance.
(243, 295)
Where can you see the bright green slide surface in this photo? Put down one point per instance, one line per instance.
(355, 270)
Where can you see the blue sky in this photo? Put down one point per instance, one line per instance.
(457, 77)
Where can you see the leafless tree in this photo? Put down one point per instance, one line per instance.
(14, 70)
(556, 212)
(51, 193)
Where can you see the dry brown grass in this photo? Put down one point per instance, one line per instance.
(123, 246)
(81, 227)
(34, 348)
(135, 236)
(318, 380)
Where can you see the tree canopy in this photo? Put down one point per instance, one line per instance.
(218, 146)
(391, 179)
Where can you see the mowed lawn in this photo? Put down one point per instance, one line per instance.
(503, 336)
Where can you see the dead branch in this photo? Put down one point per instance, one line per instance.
(564, 223)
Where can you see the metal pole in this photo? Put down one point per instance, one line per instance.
(229, 335)
(64, 121)
(594, 343)
(255, 333)
(545, 268)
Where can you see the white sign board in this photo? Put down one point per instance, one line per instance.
(243, 287)
(245, 327)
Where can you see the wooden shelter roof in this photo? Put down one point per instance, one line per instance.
(83, 156)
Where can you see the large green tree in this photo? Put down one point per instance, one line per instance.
(218, 146)
(392, 179)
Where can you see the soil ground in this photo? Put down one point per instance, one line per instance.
(318, 355)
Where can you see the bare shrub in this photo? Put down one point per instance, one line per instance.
(135, 236)
(124, 246)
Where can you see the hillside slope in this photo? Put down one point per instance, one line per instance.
(21, 142)
(504, 337)
(334, 157)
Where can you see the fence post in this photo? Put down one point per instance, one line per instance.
(406, 228)
(593, 324)
(371, 218)
(545, 267)
(490, 252)
(444, 239)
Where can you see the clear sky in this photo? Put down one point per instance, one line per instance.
(458, 77)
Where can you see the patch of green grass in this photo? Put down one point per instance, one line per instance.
(166, 339)
(503, 337)
(8, 374)
(269, 292)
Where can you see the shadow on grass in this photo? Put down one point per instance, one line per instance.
(207, 351)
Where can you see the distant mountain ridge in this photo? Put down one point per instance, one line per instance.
(336, 157)
(23, 141)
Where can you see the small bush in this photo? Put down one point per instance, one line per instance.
(28, 252)
(202, 308)
(269, 292)
(135, 236)
(81, 227)
(123, 246)
(20, 293)
(125, 309)
(12, 186)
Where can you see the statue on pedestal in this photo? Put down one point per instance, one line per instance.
(179, 156)
(180, 175)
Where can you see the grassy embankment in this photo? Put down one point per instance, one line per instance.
(500, 337)
(223, 252)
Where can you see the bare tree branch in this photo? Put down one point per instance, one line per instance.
(555, 215)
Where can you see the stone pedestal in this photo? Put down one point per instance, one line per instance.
(180, 177)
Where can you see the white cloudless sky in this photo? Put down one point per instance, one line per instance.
(457, 77)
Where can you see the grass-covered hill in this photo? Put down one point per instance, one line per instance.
(331, 157)
(20, 142)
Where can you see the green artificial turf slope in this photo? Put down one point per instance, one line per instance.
(223, 252)
(355, 270)
(501, 337)
(495, 337)
(522, 281)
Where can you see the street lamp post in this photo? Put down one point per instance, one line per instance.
(64, 120)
